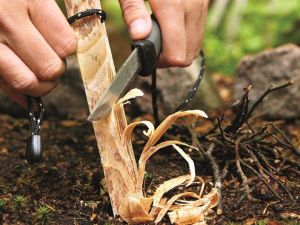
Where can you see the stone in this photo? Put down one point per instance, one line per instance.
(275, 66)
(173, 85)
(68, 100)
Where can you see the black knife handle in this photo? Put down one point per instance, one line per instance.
(149, 49)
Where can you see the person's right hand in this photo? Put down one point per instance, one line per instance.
(35, 38)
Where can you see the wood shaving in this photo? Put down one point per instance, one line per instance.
(144, 209)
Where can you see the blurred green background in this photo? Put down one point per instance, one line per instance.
(234, 29)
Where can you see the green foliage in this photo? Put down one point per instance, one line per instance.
(19, 205)
(20, 202)
(148, 175)
(108, 223)
(261, 222)
(2, 204)
(43, 215)
(114, 15)
(264, 24)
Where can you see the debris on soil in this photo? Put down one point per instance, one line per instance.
(138, 206)
(256, 158)
(68, 188)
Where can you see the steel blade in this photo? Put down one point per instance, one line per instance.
(125, 74)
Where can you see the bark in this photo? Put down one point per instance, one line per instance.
(97, 69)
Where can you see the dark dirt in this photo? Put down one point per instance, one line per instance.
(68, 181)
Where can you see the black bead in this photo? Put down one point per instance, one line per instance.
(34, 149)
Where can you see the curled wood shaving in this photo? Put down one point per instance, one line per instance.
(126, 137)
(190, 162)
(147, 154)
(167, 186)
(166, 124)
(139, 209)
(144, 209)
(194, 213)
(130, 95)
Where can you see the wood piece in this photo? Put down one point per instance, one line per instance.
(97, 69)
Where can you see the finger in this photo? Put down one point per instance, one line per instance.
(195, 23)
(136, 18)
(170, 16)
(19, 77)
(51, 23)
(36, 53)
(10, 92)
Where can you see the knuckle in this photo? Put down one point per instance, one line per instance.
(188, 61)
(68, 46)
(25, 83)
(52, 71)
(43, 89)
(5, 22)
(50, 87)
(176, 60)
(130, 7)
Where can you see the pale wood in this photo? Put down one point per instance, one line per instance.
(97, 69)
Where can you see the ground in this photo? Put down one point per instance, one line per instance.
(68, 186)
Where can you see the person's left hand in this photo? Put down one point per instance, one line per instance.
(182, 25)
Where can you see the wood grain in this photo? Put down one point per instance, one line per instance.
(97, 69)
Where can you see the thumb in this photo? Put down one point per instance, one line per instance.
(136, 18)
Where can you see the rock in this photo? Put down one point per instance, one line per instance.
(274, 66)
(68, 100)
(173, 85)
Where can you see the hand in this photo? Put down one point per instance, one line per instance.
(182, 25)
(35, 38)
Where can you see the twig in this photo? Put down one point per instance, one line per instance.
(265, 160)
(263, 171)
(215, 127)
(267, 92)
(262, 179)
(293, 147)
(240, 200)
(217, 177)
(241, 112)
(241, 172)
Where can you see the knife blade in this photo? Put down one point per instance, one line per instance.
(142, 60)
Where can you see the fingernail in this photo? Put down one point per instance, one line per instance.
(138, 27)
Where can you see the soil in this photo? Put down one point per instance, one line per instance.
(69, 181)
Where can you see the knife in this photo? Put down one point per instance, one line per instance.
(141, 61)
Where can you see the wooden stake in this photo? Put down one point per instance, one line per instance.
(97, 69)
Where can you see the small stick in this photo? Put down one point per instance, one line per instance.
(263, 180)
(241, 172)
(267, 92)
(265, 160)
(215, 127)
(241, 112)
(280, 183)
(217, 177)
(254, 135)
(294, 148)
(245, 194)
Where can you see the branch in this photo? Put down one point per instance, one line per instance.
(267, 92)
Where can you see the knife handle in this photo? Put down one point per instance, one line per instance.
(149, 49)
